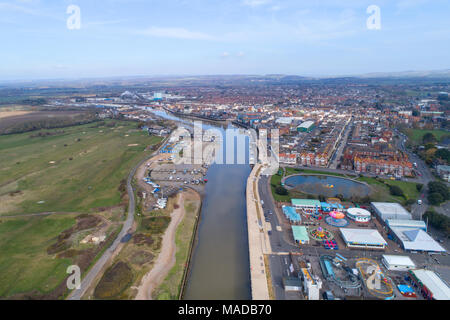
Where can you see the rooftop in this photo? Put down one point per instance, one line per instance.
(430, 279)
(363, 236)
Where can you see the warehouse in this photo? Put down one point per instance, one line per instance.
(431, 285)
(398, 263)
(300, 234)
(363, 238)
(358, 215)
(388, 210)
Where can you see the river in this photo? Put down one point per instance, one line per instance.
(220, 267)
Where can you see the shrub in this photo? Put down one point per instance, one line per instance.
(435, 198)
(281, 191)
(396, 191)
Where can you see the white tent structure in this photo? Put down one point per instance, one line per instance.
(416, 240)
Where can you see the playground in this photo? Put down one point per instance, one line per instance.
(376, 282)
(336, 219)
(336, 270)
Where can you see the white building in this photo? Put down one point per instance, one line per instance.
(435, 287)
(390, 210)
(311, 284)
(363, 238)
(398, 263)
(358, 215)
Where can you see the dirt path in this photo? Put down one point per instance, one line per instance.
(166, 259)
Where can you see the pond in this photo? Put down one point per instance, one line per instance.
(328, 186)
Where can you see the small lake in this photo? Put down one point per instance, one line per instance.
(328, 186)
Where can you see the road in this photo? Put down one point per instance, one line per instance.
(95, 270)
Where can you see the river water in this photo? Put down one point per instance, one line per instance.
(220, 267)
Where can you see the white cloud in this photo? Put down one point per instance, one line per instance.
(176, 33)
(255, 3)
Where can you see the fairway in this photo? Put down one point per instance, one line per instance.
(73, 169)
(24, 263)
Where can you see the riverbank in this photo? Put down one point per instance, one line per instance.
(257, 242)
(167, 264)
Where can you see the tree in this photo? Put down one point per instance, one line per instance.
(428, 138)
(419, 186)
(281, 191)
(396, 191)
(443, 154)
(340, 197)
(435, 198)
(322, 198)
(439, 187)
(415, 113)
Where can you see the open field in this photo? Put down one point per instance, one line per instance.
(6, 114)
(73, 169)
(416, 135)
(24, 263)
(17, 122)
(67, 171)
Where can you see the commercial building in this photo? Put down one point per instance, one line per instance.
(311, 284)
(388, 210)
(411, 224)
(416, 240)
(300, 234)
(288, 158)
(398, 263)
(430, 284)
(305, 204)
(358, 215)
(363, 238)
(291, 214)
(306, 126)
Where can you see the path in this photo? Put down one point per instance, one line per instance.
(89, 278)
(166, 258)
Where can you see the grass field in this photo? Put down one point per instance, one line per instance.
(24, 263)
(76, 169)
(70, 171)
(416, 135)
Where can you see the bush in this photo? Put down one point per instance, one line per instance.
(115, 280)
(435, 198)
(439, 187)
(281, 191)
(396, 191)
(419, 187)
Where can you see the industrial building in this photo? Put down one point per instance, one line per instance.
(430, 284)
(363, 238)
(358, 215)
(390, 210)
(398, 263)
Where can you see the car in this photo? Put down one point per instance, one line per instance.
(419, 202)
(269, 233)
(267, 220)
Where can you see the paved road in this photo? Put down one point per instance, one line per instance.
(95, 270)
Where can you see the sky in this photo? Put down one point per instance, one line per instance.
(204, 37)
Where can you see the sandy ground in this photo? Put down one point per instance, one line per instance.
(166, 259)
(6, 114)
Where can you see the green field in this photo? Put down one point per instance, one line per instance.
(24, 263)
(76, 169)
(416, 135)
(69, 171)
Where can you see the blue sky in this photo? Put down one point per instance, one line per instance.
(180, 37)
